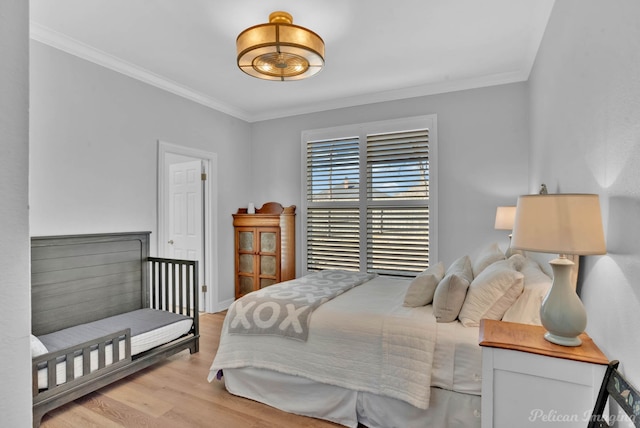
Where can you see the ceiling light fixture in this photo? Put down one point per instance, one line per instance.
(280, 50)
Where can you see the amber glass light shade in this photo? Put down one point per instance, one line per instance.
(280, 50)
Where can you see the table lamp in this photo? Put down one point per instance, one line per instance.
(504, 221)
(562, 224)
(505, 217)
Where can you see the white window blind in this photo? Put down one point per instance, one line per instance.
(368, 197)
(333, 170)
(398, 174)
(398, 162)
(333, 238)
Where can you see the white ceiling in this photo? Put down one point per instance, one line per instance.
(376, 50)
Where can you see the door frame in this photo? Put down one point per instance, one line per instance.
(210, 214)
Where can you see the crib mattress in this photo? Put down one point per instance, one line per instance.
(149, 328)
(139, 321)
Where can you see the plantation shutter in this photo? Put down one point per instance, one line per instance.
(333, 225)
(398, 161)
(397, 202)
(368, 197)
(333, 238)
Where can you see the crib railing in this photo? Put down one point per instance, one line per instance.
(174, 286)
(92, 359)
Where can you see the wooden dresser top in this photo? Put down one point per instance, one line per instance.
(530, 338)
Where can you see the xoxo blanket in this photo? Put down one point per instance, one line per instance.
(284, 309)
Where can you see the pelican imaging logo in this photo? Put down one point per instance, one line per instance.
(554, 416)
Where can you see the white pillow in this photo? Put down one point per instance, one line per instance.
(518, 262)
(451, 291)
(487, 256)
(37, 347)
(526, 309)
(533, 273)
(421, 289)
(491, 293)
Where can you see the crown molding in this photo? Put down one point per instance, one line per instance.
(398, 94)
(74, 47)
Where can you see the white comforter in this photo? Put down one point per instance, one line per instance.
(363, 340)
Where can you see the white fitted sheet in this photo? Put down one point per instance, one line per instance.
(139, 343)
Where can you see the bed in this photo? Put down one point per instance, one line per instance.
(381, 353)
(102, 309)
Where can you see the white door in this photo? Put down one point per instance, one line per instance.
(185, 211)
(187, 208)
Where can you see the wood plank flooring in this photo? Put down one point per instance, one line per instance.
(173, 394)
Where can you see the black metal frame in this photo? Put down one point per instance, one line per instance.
(614, 385)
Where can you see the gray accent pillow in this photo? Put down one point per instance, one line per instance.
(451, 291)
(449, 297)
(462, 267)
(423, 286)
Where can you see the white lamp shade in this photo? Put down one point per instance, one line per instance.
(505, 217)
(559, 223)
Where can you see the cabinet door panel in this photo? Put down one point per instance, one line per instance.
(268, 242)
(268, 265)
(265, 282)
(245, 239)
(245, 284)
(246, 263)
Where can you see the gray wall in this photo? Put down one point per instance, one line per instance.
(94, 134)
(93, 141)
(15, 307)
(482, 158)
(585, 137)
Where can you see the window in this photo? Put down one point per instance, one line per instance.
(369, 199)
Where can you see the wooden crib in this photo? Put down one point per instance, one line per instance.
(82, 279)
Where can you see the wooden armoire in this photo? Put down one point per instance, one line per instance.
(265, 247)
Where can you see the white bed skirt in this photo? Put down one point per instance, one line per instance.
(302, 396)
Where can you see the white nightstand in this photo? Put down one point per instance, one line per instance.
(530, 382)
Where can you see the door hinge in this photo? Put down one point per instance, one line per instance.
(203, 176)
(204, 288)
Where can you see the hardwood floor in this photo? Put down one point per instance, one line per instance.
(173, 394)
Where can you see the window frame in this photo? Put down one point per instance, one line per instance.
(360, 131)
